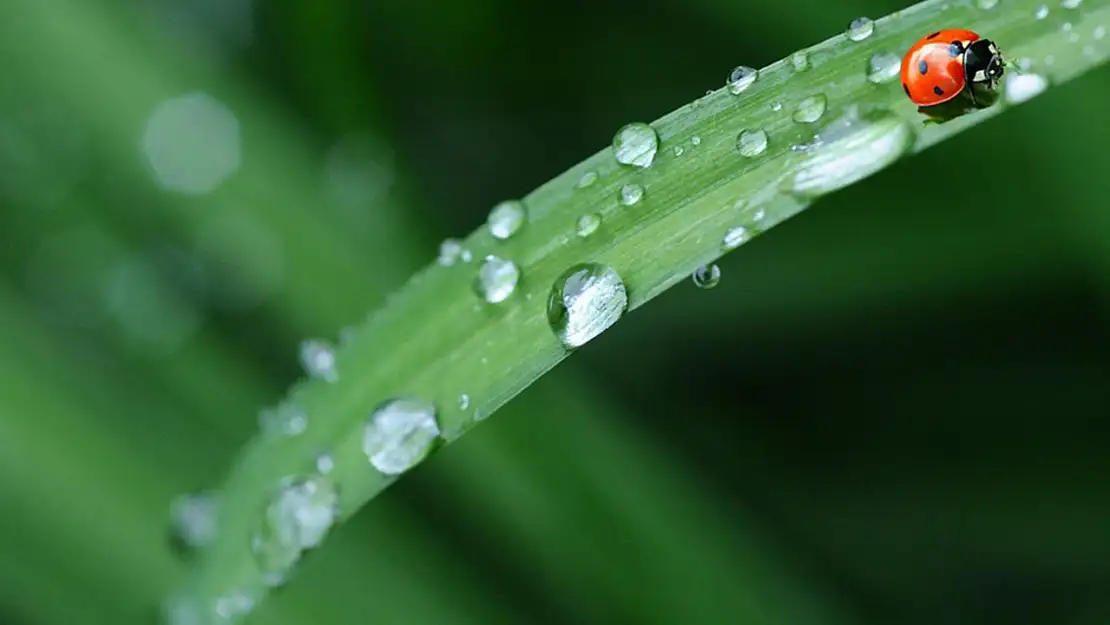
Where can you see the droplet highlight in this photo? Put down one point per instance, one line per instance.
(282, 420)
(585, 301)
(587, 224)
(631, 194)
(1071, 4)
(1024, 87)
(193, 519)
(1041, 12)
(860, 28)
(810, 109)
(400, 434)
(735, 237)
(318, 360)
(987, 5)
(751, 143)
(635, 144)
(496, 279)
(587, 179)
(506, 219)
(450, 252)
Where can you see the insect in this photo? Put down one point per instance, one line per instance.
(944, 64)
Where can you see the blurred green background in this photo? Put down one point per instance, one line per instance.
(891, 410)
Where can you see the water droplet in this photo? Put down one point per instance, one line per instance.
(193, 519)
(751, 143)
(283, 420)
(860, 28)
(297, 517)
(850, 149)
(740, 78)
(800, 61)
(496, 279)
(631, 194)
(506, 219)
(585, 300)
(707, 276)
(678, 150)
(325, 462)
(1066, 27)
(318, 360)
(883, 67)
(1099, 32)
(810, 109)
(183, 611)
(776, 106)
(464, 401)
(234, 606)
(635, 144)
(735, 237)
(587, 179)
(450, 251)
(695, 140)
(400, 434)
(1071, 4)
(587, 224)
(1023, 87)
(987, 5)
(1041, 11)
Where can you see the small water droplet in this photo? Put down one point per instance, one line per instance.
(860, 28)
(193, 519)
(496, 279)
(759, 215)
(751, 143)
(740, 78)
(883, 67)
(1041, 11)
(635, 144)
(800, 61)
(631, 194)
(810, 109)
(450, 251)
(776, 106)
(1023, 87)
(464, 401)
(1071, 4)
(585, 300)
(282, 420)
(587, 179)
(707, 276)
(325, 462)
(1099, 32)
(587, 224)
(850, 149)
(695, 140)
(735, 237)
(678, 150)
(318, 360)
(987, 5)
(234, 606)
(400, 434)
(506, 219)
(298, 516)
(1066, 27)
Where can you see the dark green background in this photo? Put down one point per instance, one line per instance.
(891, 410)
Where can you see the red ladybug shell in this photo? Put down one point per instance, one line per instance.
(933, 68)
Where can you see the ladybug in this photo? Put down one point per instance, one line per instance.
(944, 64)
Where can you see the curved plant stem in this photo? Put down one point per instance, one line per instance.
(438, 341)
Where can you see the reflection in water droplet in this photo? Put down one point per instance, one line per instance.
(740, 78)
(810, 109)
(635, 144)
(735, 237)
(193, 519)
(631, 194)
(284, 420)
(400, 434)
(297, 517)
(464, 401)
(751, 143)
(192, 143)
(318, 360)
(883, 67)
(496, 279)
(860, 28)
(506, 219)
(585, 300)
(1023, 87)
(707, 276)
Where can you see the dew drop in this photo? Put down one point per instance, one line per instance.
(587, 224)
(735, 237)
(496, 279)
(707, 276)
(987, 5)
(678, 150)
(776, 106)
(860, 28)
(850, 149)
(193, 519)
(1071, 4)
(1099, 32)
(282, 420)
(297, 517)
(1024, 87)
(740, 78)
(1041, 11)
(631, 194)
(234, 606)
(751, 143)
(810, 109)
(464, 401)
(450, 251)
(883, 67)
(399, 434)
(325, 462)
(695, 140)
(800, 61)
(318, 360)
(506, 219)
(635, 144)
(585, 300)
(587, 179)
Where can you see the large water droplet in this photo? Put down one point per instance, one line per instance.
(193, 519)
(318, 360)
(506, 219)
(740, 78)
(283, 420)
(751, 143)
(585, 300)
(1023, 87)
(735, 237)
(450, 251)
(883, 67)
(810, 109)
(635, 144)
(849, 150)
(400, 434)
(496, 279)
(707, 276)
(631, 194)
(297, 517)
(587, 224)
(987, 5)
(800, 61)
(860, 28)
(1041, 12)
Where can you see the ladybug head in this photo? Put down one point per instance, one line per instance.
(983, 63)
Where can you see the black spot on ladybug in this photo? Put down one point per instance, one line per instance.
(922, 67)
(954, 49)
(938, 91)
(906, 88)
(934, 35)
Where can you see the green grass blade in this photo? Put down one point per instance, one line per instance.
(438, 341)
